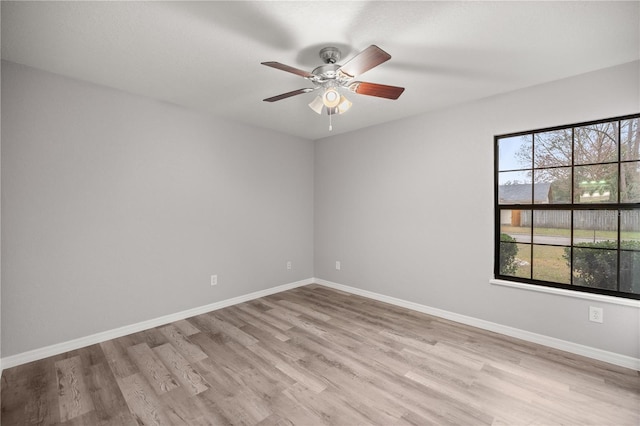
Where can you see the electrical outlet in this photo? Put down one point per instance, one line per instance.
(337, 265)
(214, 280)
(596, 314)
(289, 266)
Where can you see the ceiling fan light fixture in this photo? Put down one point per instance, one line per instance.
(344, 105)
(331, 98)
(316, 104)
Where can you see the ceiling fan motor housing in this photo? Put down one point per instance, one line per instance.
(326, 72)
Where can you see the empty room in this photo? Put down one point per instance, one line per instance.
(320, 213)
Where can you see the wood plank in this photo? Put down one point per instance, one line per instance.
(355, 392)
(152, 368)
(110, 406)
(271, 320)
(73, 395)
(254, 362)
(118, 359)
(217, 346)
(328, 407)
(142, 401)
(188, 377)
(180, 341)
(226, 384)
(186, 327)
(294, 413)
(285, 348)
(307, 310)
(297, 320)
(30, 394)
(89, 418)
(89, 355)
(218, 325)
(257, 323)
(183, 408)
(291, 369)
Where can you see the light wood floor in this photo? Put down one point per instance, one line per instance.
(316, 356)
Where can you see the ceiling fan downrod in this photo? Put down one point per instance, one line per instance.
(330, 55)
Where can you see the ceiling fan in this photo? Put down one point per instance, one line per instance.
(332, 76)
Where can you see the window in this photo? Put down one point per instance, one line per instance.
(567, 206)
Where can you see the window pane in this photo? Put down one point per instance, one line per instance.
(514, 153)
(593, 226)
(515, 224)
(552, 149)
(630, 182)
(551, 264)
(595, 267)
(597, 143)
(630, 271)
(552, 227)
(523, 260)
(552, 186)
(515, 259)
(596, 184)
(514, 188)
(630, 229)
(630, 139)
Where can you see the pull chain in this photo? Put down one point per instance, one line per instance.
(330, 126)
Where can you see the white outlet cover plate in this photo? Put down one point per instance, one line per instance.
(596, 314)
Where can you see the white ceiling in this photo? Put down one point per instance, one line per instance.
(206, 55)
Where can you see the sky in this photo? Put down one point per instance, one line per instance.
(507, 157)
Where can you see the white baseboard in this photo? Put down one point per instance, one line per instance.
(575, 348)
(58, 348)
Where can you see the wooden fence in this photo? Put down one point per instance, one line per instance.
(602, 220)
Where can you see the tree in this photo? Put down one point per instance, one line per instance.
(630, 150)
(553, 153)
(595, 265)
(508, 253)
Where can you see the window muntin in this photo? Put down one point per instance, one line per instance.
(568, 207)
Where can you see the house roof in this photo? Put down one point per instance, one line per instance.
(520, 193)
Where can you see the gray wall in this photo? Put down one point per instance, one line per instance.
(407, 207)
(117, 209)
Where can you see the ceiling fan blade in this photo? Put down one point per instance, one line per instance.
(369, 58)
(288, 95)
(373, 89)
(288, 68)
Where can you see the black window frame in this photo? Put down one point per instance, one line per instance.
(571, 206)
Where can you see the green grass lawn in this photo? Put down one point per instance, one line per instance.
(548, 263)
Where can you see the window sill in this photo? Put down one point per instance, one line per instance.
(568, 293)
